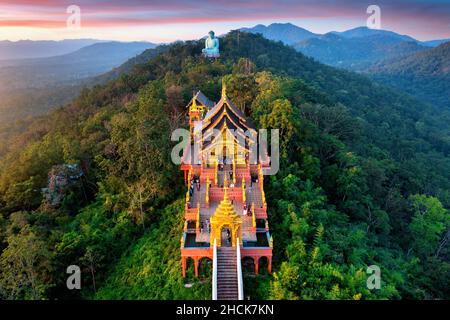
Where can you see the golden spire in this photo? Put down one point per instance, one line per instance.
(225, 207)
(194, 107)
(225, 214)
(224, 89)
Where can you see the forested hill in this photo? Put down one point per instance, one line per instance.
(433, 62)
(425, 74)
(358, 53)
(364, 179)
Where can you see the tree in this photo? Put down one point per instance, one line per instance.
(92, 261)
(429, 226)
(139, 193)
(25, 267)
(281, 117)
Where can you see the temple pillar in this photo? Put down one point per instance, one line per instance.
(269, 260)
(256, 259)
(183, 266)
(196, 266)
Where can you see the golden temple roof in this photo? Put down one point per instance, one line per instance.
(225, 207)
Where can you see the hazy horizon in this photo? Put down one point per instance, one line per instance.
(205, 34)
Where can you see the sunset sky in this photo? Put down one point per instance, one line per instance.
(167, 20)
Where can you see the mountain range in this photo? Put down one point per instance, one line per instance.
(25, 49)
(86, 62)
(36, 76)
(31, 87)
(356, 53)
(354, 49)
(419, 68)
(285, 32)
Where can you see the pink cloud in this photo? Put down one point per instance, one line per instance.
(416, 15)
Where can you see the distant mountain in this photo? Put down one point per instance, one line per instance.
(83, 63)
(432, 62)
(355, 50)
(34, 86)
(128, 66)
(285, 32)
(435, 43)
(25, 49)
(425, 74)
(361, 32)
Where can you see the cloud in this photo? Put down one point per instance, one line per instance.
(106, 14)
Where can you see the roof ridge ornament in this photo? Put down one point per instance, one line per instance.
(224, 89)
(194, 103)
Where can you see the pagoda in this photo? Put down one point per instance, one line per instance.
(225, 210)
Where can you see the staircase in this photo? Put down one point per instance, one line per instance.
(227, 281)
(254, 195)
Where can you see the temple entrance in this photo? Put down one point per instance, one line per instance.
(226, 237)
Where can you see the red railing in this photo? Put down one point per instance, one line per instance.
(191, 214)
(207, 173)
(216, 194)
(261, 213)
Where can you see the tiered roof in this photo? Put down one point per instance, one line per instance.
(224, 115)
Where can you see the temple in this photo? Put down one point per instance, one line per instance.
(226, 210)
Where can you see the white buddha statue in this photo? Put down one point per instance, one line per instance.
(211, 46)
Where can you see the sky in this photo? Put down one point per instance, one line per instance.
(170, 20)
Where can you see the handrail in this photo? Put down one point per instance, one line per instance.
(214, 279)
(253, 217)
(243, 191)
(197, 218)
(207, 192)
(239, 271)
(234, 171)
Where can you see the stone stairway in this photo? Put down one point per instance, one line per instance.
(247, 223)
(227, 282)
(254, 195)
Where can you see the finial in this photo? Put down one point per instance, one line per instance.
(194, 104)
(224, 89)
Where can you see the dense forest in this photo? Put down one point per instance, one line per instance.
(424, 74)
(364, 180)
